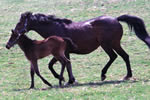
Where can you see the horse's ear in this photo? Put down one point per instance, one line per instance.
(28, 14)
(12, 30)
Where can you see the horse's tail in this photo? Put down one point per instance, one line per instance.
(137, 25)
(70, 44)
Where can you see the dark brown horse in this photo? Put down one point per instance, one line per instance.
(104, 31)
(35, 50)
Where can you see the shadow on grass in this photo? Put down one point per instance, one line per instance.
(95, 83)
(80, 85)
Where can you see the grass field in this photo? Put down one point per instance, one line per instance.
(14, 68)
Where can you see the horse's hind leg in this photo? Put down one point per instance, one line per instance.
(34, 64)
(125, 57)
(107, 48)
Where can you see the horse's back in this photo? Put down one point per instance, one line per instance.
(109, 28)
(105, 21)
(102, 24)
(90, 34)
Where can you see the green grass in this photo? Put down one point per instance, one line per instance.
(14, 68)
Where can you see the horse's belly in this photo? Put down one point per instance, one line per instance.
(87, 47)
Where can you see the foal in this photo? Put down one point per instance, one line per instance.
(35, 50)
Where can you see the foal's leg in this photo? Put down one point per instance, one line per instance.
(61, 74)
(125, 57)
(112, 56)
(69, 69)
(50, 66)
(32, 76)
(64, 61)
(34, 64)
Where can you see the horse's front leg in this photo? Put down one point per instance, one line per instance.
(50, 66)
(69, 70)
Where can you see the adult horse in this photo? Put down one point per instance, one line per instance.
(88, 35)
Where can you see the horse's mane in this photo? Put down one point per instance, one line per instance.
(42, 18)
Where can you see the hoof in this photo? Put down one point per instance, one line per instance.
(127, 78)
(60, 81)
(103, 78)
(60, 84)
(31, 88)
(50, 86)
(62, 78)
(71, 83)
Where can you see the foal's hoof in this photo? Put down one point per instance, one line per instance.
(62, 79)
(103, 77)
(60, 85)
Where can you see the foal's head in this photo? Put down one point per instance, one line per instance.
(23, 25)
(13, 39)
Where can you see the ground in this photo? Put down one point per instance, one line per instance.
(14, 68)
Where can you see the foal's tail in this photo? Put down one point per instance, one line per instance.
(70, 44)
(137, 25)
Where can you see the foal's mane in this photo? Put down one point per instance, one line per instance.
(45, 19)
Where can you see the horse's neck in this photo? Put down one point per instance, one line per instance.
(25, 43)
(46, 31)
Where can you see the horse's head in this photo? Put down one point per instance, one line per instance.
(23, 25)
(13, 39)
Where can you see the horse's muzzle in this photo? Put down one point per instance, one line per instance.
(8, 46)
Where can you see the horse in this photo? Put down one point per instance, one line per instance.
(88, 35)
(35, 50)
